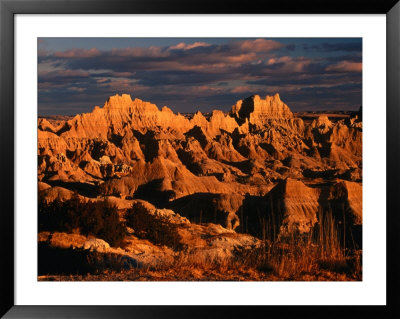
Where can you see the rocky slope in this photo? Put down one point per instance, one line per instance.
(257, 169)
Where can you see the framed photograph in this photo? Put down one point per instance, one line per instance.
(172, 159)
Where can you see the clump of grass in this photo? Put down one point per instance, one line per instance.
(291, 257)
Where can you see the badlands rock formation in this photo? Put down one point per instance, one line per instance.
(253, 170)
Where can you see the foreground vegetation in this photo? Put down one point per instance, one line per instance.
(317, 255)
(278, 267)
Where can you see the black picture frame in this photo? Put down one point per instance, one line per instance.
(9, 8)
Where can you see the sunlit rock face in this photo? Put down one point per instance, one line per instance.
(259, 111)
(221, 166)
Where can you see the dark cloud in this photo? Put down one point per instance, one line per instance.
(290, 47)
(62, 76)
(332, 47)
(357, 57)
(306, 79)
(340, 97)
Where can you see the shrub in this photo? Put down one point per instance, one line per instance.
(99, 219)
(153, 227)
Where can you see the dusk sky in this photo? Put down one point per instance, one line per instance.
(190, 74)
